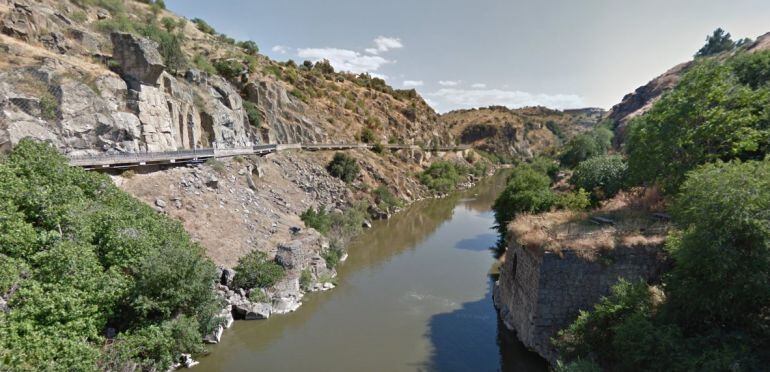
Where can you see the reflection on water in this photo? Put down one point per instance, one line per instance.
(414, 295)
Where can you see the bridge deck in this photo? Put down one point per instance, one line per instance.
(198, 155)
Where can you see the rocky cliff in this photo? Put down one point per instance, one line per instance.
(520, 133)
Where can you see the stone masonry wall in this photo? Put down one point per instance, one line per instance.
(540, 293)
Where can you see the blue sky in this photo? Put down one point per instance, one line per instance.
(460, 54)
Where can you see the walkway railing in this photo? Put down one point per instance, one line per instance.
(197, 155)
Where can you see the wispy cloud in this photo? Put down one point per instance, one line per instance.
(413, 83)
(453, 98)
(384, 44)
(479, 86)
(448, 83)
(280, 49)
(344, 59)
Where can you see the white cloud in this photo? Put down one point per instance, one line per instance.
(385, 43)
(371, 50)
(412, 83)
(448, 83)
(280, 49)
(479, 86)
(343, 59)
(380, 76)
(452, 99)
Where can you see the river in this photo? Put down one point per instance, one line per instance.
(414, 295)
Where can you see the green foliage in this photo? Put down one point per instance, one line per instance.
(718, 42)
(367, 135)
(442, 176)
(254, 270)
(169, 44)
(723, 253)
(585, 146)
(714, 313)
(712, 114)
(378, 148)
(49, 106)
(602, 175)
(317, 219)
(86, 255)
(579, 365)
(527, 190)
(344, 167)
(305, 279)
(252, 112)
(79, 16)
(574, 201)
(249, 47)
(385, 199)
(332, 257)
(203, 64)
(204, 27)
(229, 68)
(169, 24)
(545, 165)
(217, 165)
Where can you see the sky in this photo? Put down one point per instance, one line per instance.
(463, 54)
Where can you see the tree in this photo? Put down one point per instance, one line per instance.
(527, 190)
(586, 145)
(344, 167)
(714, 113)
(249, 46)
(254, 270)
(718, 42)
(603, 176)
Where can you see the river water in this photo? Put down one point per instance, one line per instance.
(414, 295)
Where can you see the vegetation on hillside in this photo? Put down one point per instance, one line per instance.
(80, 257)
(706, 143)
(344, 167)
(585, 146)
(254, 270)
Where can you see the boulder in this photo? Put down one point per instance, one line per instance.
(213, 182)
(138, 57)
(283, 305)
(160, 203)
(227, 277)
(215, 336)
(247, 310)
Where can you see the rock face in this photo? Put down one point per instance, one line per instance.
(138, 57)
(540, 293)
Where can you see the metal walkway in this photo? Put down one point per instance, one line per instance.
(128, 160)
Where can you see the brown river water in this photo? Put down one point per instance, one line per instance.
(414, 295)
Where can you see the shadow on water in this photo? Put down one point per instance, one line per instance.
(477, 243)
(469, 348)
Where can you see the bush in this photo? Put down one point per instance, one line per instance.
(254, 270)
(317, 219)
(527, 190)
(88, 255)
(545, 165)
(603, 176)
(249, 47)
(204, 27)
(712, 114)
(442, 176)
(252, 112)
(367, 135)
(378, 148)
(229, 68)
(332, 257)
(574, 201)
(305, 279)
(203, 64)
(385, 199)
(585, 146)
(169, 44)
(49, 106)
(344, 167)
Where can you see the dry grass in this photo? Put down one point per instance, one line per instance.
(633, 226)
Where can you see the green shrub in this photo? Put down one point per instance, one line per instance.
(169, 24)
(332, 257)
(204, 27)
(229, 68)
(217, 165)
(442, 176)
(385, 199)
(585, 146)
(574, 201)
(378, 148)
(344, 167)
(249, 47)
(252, 112)
(305, 279)
(254, 270)
(545, 165)
(92, 256)
(602, 175)
(367, 135)
(79, 16)
(712, 114)
(317, 219)
(203, 64)
(49, 106)
(169, 44)
(527, 190)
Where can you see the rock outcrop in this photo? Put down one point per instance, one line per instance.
(138, 58)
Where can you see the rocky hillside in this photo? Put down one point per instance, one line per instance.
(520, 133)
(78, 74)
(641, 100)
